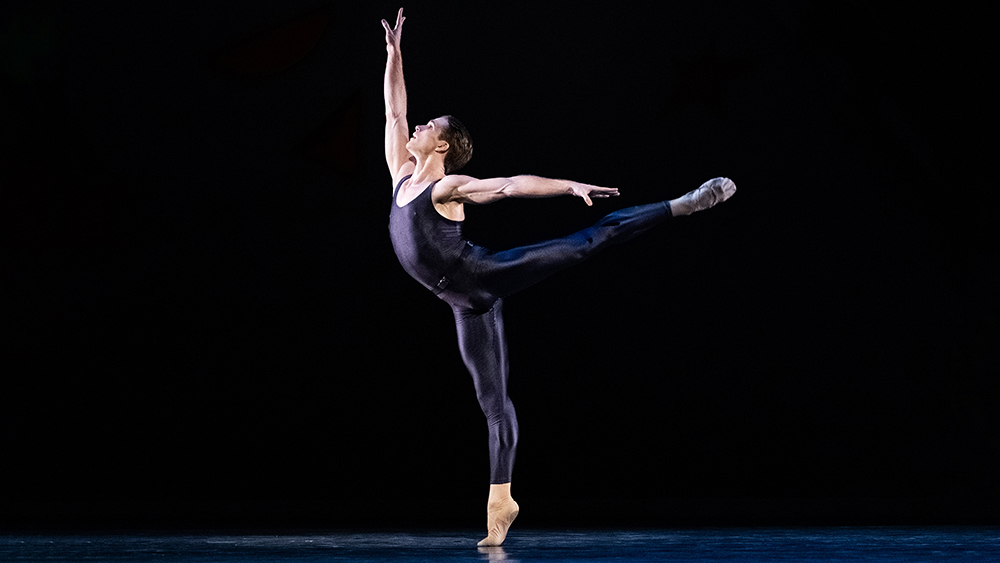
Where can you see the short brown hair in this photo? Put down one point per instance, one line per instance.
(459, 145)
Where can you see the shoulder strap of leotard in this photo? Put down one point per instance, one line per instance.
(399, 185)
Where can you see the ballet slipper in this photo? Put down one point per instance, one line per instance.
(712, 192)
(500, 513)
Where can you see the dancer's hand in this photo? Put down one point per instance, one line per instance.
(392, 36)
(586, 191)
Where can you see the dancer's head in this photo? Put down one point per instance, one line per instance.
(445, 136)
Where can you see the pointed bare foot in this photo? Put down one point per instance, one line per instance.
(499, 517)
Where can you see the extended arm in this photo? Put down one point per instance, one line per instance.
(396, 128)
(466, 189)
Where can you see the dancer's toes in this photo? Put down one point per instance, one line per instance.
(499, 517)
(728, 188)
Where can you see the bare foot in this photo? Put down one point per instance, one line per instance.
(499, 517)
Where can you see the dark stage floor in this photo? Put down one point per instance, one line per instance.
(909, 544)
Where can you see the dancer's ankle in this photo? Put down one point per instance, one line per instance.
(499, 494)
(679, 207)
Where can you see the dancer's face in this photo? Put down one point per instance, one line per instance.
(427, 138)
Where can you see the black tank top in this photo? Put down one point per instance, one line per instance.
(428, 245)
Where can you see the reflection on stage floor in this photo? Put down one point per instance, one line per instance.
(912, 545)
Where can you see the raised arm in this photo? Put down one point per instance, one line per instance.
(466, 189)
(396, 128)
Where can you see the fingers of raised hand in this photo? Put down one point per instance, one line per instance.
(394, 31)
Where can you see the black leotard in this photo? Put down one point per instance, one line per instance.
(428, 245)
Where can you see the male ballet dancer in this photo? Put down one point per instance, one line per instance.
(425, 224)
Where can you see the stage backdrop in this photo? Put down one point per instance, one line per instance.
(206, 323)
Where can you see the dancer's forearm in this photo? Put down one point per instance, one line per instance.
(536, 186)
(394, 86)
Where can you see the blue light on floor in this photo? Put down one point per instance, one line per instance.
(911, 545)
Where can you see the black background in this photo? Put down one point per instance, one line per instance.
(207, 325)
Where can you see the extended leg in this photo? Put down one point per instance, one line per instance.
(509, 271)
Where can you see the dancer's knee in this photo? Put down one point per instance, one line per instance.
(492, 406)
(497, 410)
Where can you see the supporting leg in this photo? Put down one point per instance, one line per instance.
(483, 343)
